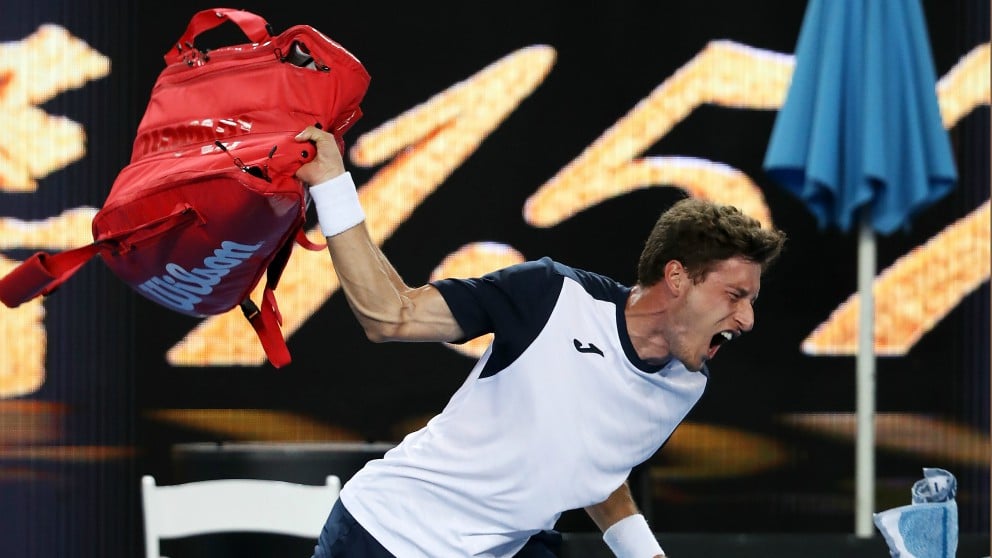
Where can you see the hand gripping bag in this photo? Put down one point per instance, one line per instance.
(209, 203)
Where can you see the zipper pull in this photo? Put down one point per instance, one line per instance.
(237, 161)
(257, 172)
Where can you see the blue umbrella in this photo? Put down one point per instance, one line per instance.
(860, 141)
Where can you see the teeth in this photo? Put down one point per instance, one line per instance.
(727, 335)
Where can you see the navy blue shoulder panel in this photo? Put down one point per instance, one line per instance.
(598, 286)
(514, 303)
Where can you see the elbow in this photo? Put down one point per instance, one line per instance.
(387, 322)
(379, 331)
(376, 335)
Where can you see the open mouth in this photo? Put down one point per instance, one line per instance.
(718, 339)
(721, 338)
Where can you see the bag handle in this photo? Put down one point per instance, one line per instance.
(124, 241)
(254, 27)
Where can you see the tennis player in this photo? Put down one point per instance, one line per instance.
(585, 379)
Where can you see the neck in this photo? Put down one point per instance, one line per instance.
(645, 313)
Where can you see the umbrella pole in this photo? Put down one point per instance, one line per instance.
(865, 365)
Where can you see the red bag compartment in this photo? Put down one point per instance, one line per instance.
(306, 92)
(238, 193)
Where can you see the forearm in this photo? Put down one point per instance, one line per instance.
(385, 306)
(619, 505)
(624, 528)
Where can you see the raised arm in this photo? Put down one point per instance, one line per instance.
(386, 307)
(624, 529)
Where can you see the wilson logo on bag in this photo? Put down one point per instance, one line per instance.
(209, 202)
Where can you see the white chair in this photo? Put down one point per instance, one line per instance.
(234, 505)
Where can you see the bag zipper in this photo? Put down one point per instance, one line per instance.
(239, 60)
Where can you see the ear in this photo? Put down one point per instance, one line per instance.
(675, 276)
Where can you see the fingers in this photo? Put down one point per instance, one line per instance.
(325, 142)
(312, 133)
(327, 164)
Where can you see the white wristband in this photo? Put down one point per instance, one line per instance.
(336, 202)
(632, 538)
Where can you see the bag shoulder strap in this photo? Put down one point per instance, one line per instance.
(42, 273)
(266, 321)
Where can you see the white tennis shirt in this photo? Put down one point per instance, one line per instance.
(553, 417)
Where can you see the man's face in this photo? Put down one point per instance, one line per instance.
(714, 310)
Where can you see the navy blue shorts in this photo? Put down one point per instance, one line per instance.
(343, 537)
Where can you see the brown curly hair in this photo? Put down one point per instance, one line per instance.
(700, 233)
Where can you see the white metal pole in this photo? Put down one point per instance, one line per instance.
(865, 364)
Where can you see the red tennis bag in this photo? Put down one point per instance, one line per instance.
(209, 202)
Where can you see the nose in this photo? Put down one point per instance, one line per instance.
(745, 315)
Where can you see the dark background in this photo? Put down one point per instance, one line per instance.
(106, 346)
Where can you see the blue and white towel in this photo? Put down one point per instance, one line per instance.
(927, 528)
